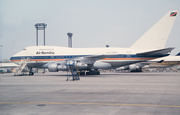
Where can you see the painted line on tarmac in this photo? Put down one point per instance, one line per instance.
(56, 103)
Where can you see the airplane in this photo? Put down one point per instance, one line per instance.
(89, 60)
(163, 62)
(8, 65)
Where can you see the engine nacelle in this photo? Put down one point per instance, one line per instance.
(101, 65)
(82, 66)
(52, 67)
(135, 68)
(123, 68)
(62, 68)
(55, 67)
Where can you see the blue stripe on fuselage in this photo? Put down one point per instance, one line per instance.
(76, 56)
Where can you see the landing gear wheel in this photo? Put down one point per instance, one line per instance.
(93, 73)
(82, 73)
(98, 73)
(87, 73)
(31, 73)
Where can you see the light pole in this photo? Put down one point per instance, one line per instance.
(1, 55)
(40, 26)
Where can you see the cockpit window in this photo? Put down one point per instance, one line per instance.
(24, 49)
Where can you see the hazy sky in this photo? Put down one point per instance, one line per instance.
(94, 23)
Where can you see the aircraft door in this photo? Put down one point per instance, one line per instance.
(128, 56)
(52, 58)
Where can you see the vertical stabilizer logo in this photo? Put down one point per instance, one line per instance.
(173, 14)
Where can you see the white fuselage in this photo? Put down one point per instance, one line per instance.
(40, 55)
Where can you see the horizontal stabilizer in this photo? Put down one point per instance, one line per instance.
(178, 54)
(161, 52)
(160, 61)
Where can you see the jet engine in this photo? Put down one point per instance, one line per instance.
(122, 68)
(62, 68)
(82, 66)
(135, 68)
(54, 67)
(101, 65)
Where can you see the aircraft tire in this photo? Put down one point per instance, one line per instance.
(87, 73)
(82, 73)
(93, 73)
(31, 73)
(98, 73)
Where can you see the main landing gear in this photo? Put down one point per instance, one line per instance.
(93, 72)
(31, 72)
(90, 72)
(138, 70)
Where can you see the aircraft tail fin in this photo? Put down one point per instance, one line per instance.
(156, 36)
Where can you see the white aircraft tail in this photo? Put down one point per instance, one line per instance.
(156, 36)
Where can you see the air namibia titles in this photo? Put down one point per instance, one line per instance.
(45, 52)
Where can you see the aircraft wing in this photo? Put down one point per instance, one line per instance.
(93, 58)
(150, 62)
(89, 60)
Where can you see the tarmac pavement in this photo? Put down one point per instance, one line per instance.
(146, 93)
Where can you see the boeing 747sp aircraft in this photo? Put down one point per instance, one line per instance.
(89, 60)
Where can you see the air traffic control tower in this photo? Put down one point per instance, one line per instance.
(69, 39)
